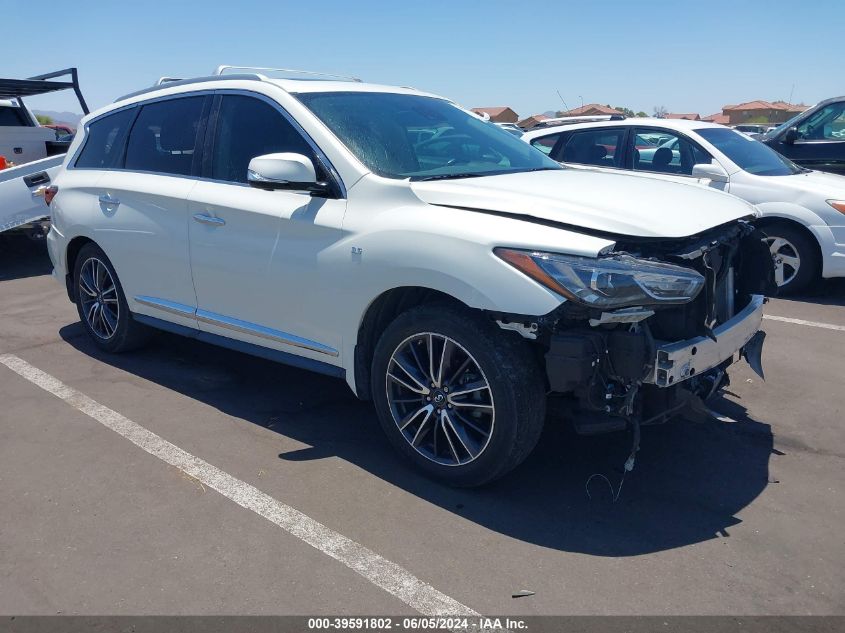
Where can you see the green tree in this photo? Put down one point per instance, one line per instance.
(628, 112)
(43, 119)
(641, 114)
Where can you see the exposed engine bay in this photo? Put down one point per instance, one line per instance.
(641, 365)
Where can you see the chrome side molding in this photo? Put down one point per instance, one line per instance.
(172, 307)
(236, 325)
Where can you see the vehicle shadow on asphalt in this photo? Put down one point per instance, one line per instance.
(21, 257)
(690, 480)
(828, 292)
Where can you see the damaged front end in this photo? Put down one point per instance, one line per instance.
(651, 326)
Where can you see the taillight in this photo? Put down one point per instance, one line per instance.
(50, 193)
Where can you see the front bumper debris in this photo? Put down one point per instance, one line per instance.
(678, 361)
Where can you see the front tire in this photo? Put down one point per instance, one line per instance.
(795, 257)
(462, 399)
(102, 305)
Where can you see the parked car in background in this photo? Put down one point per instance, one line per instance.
(815, 138)
(803, 211)
(30, 154)
(751, 130)
(513, 128)
(454, 278)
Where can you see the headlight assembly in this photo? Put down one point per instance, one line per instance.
(608, 282)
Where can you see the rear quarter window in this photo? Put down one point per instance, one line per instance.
(104, 142)
(546, 143)
(11, 116)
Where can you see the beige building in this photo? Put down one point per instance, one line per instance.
(761, 112)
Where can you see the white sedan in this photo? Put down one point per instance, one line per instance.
(803, 211)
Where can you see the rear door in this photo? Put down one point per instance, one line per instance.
(143, 207)
(256, 254)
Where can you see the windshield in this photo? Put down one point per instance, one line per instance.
(748, 154)
(421, 138)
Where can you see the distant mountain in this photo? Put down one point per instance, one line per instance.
(71, 118)
(550, 113)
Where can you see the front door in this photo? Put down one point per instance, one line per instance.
(256, 255)
(821, 140)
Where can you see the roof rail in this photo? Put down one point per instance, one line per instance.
(171, 81)
(222, 69)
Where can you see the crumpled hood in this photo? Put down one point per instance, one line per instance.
(622, 204)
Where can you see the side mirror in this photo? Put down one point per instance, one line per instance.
(790, 136)
(712, 171)
(286, 170)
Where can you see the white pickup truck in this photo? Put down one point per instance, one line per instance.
(30, 155)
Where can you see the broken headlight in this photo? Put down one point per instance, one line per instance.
(608, 282)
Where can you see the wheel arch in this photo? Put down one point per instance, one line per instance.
(378, 315)
(71, 253)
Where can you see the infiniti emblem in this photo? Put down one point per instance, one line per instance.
(439, 398)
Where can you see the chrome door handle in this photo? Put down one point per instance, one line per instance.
(108, 200)
(207, 219)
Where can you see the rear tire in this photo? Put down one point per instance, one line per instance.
(795, 256)
(102, 305)
(486, 408)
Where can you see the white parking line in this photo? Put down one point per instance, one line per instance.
(826, 326)
(383, 573)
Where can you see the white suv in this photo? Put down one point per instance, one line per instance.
(448, 271)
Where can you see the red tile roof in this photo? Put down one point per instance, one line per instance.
(765, 105)
(724, 119)
(531, 121)
(692, 116)
(591, 108)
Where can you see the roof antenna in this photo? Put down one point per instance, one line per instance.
(562, 101)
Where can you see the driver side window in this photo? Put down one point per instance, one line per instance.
(828, 124)
(664, 152)
(248, 127)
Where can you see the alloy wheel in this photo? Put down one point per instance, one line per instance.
(98, 296)
(786, 259)
(440, 399)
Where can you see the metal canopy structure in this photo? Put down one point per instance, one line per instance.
(40, 84)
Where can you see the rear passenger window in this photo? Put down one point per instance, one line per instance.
(599, 147)
(164, 136)
(546, 143)
(105, 139)
(248, 127)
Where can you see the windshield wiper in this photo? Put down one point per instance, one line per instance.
(446, 177)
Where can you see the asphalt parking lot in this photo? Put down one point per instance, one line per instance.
(742, 515)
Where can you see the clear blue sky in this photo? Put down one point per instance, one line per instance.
(687, 56)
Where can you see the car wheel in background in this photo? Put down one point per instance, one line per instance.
(462, 399)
